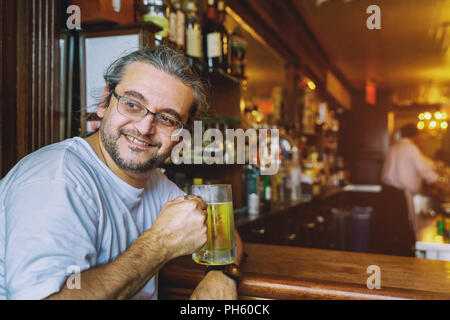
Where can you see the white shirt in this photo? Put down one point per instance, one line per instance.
(406, 167)
(63, 210)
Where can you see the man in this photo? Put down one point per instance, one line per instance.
(406, 168)
(100, 204)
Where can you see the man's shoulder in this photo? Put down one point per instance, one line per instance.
(53, 162)
(404, 144)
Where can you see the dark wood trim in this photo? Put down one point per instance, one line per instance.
(283, 26)
(291, 109)
(2, 17)
(257, 22)
(415, 107)
(29, 110)
(38, 74)
(8, 93)
(317, 49)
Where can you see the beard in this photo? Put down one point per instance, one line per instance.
(109, 139)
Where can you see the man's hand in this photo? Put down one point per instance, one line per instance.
(180, 227)
(215, 286)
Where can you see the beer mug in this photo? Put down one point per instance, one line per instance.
(220, 246)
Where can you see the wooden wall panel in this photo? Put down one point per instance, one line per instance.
(2, 44)
(8, 91)
(29, 85)
(364, 138)
(38, 74)
(291, 108)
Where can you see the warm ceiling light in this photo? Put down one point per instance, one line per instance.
(437, 115)
(420, 125)
(444, 125)
(427, 115)
(311, 85)
(433, 124)
(421, 116)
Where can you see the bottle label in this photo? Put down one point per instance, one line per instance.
(268, 195)
(253, 203)
(173, 27)
(214, 45)
(161, 21)
(194, 43)
(181, 21)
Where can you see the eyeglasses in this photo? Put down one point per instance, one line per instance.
(164, 123)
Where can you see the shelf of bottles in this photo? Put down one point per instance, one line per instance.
(306, 168)
(322, 167)
(197, 28)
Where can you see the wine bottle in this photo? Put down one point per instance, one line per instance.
(180, 27)
(155, 11)
(212, 42)
(173, 27)
(194, 39)
(238, 53)
(225, 38)
(251, 178)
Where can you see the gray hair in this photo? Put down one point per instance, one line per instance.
(166, 59)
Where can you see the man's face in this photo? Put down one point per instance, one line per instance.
(159, 92)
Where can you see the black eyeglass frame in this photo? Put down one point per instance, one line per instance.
(118, 97)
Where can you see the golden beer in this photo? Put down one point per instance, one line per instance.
(220, 246)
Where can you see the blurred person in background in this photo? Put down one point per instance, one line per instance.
(406, 168)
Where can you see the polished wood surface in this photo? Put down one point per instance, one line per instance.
(279, 272)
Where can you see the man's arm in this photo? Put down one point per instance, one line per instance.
(216, 285)
(178, 230)
(124, 277)
(424, 166)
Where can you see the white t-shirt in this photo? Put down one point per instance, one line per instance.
(63, 210)
(405, 168)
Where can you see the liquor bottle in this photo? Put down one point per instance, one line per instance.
(341, 172)
(212, 43)
(238, 53)
(180, 26)
(171, 12)
(225, 38)
(276, 181)
(194, 39)
(251, 180)
(295, 173)
(266, 192)
(197, 181)
(155, 11)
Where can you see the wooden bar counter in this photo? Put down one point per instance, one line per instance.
(282, 272)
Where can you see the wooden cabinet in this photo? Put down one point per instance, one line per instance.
(104, 11)
(326, 223)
